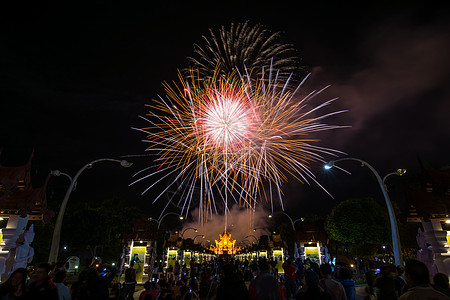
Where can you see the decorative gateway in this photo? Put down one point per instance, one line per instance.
(225, 245)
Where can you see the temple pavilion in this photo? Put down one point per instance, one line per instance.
(225, 244)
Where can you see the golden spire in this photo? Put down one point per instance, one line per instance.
(225, 244)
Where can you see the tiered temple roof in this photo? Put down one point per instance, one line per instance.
(225, 244)
(431, 199)
(17, 195)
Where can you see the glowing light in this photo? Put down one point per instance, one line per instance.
(225, 244)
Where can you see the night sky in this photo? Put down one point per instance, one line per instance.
(74, 79)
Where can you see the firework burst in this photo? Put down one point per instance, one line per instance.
(231, 136)
(243, 45)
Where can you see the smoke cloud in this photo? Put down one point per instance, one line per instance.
(397, 94)
(241, 223)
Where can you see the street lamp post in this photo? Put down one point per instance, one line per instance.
(53, 256)
(261, 228)
(158, 221)
(202, 235)
(248, 241)
(207, 241)
(182, 234)
(256, 239)
(393, 221)
(290, 219)
(399, 172)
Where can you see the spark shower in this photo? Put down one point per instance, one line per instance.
(232, 138)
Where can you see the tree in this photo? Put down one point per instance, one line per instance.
(99, 228)
(287, 235)
(42, 240)
(358, 221)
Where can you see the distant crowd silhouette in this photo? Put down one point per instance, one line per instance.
(220, 279)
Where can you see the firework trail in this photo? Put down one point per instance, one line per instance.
(243, 45)
(228, 136)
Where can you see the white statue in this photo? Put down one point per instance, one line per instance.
(24, 253)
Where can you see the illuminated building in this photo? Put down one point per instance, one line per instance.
(311, 243)
(19, 203)
(139, 245)
(428, 202)
(225, 245)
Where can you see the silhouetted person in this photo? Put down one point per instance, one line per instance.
(290, 275)
(400, 281)
(345, 278)
(231, 286)
(300, 268)
(42, 288)
(440, 283)
(370, 280)
(386, 284)
(59, 279)
(150, 288)
(332, 287)
(129, 286)
(77, 286)
(14, 287)
(265, 285)
(312, 290)
(418, 279)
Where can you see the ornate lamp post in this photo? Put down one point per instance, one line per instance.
(202, 235)
(393, 221)
(182, 234)
(158, 221)
(261, 228)
(290, 219)
(53, 256)
(256, 239)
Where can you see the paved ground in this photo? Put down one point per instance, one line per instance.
(138, 291)
(360, 293)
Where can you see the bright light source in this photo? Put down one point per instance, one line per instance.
(447, 221)
(55, 172)
(126, 164)
(329, 165)
(400, 172)
(270, 216)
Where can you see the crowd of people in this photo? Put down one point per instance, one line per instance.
(230, 279)
(49, 282)
(303, 280)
